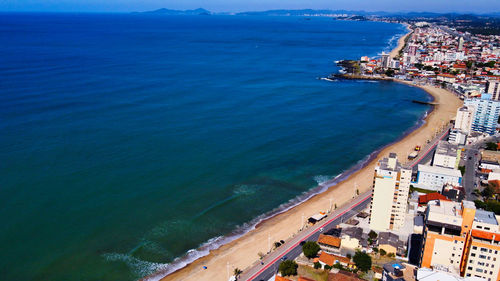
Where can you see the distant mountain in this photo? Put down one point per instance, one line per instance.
(302, 12)
(170, 12)
(310, 12)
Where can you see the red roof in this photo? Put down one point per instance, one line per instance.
(279, 278)
(424, 199)
(331, 259)
(329, 240)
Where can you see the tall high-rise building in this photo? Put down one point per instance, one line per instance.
(462, 240)
(391, 184)
(461, 44)
(493, 88)
(463, 120)
(486, 113)
(385, 60)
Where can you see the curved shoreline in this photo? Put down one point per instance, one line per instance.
(205, 248)
(240, 248)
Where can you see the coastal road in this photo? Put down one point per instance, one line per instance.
(292, 248)
(426, 153)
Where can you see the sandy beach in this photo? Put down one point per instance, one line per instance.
(243, 252)
(401, 43)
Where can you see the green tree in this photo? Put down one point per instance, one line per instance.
(389, 72)
(317, 265)
(288, 268)
(310, 249)
(373, 235)
(487, 192)
(327, 267)
(363, 261)
(382, 252)
(375, 250)
(338, 266)
(491, 146)
(462, 169)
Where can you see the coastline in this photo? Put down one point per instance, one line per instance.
(401, 43)
(241, 249)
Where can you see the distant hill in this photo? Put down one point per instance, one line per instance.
(170, 12)
(309, 12)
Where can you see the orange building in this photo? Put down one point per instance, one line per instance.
(460, 239)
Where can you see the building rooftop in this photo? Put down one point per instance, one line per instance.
(445, 212)
(329, 240)
(424, 199)
(485, 217)
(333, 259)
(439, 170)
(446, 148)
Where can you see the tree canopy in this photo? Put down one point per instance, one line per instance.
(310, 249)
(288, 268)
(363, 261)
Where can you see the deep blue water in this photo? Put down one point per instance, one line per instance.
(126, 140)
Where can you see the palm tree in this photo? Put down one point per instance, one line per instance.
(237, 272)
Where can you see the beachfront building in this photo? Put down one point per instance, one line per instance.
(461, 240)
(434, 177)
(447, 155)
(391, 185)
(486, 113)
(457, 137)
(493, 88)
(463, 119)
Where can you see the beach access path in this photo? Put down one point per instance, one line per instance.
(243, 252)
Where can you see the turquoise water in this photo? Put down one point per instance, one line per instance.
(127, 140)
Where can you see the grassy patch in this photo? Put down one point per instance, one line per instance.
(315, 274)
(421, 190)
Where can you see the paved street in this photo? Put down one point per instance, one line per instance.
(471, 180)
(292, 249)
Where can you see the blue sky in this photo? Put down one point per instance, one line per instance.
(464, 6)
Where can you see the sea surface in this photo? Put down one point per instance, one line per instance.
(127, 141)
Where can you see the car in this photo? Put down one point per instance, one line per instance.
(470, 157)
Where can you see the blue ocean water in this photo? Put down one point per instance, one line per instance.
(127, 140)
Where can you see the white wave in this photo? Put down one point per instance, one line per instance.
(137, 266)
(321, 179)
(327, 79)
(188, 258)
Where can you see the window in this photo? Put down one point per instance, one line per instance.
(474, 247)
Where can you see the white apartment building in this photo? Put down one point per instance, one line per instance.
(447, 155)
(463, 119)
(434, 177)
(457, 136)
(391, 185)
